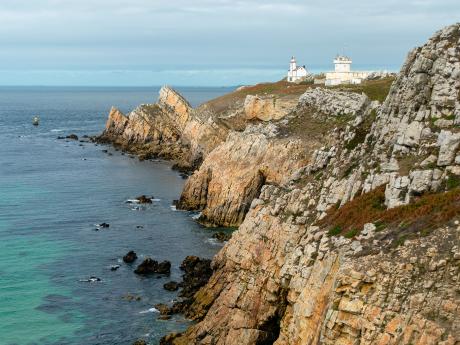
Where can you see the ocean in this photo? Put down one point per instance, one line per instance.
(53, 192)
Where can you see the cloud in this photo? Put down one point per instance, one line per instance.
(214, 34)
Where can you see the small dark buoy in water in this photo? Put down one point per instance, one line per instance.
(36, 121)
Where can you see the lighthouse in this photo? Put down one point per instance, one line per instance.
(296, 73)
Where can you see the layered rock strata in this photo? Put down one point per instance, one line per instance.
(170, 129)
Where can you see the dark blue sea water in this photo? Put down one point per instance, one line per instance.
(52, 192)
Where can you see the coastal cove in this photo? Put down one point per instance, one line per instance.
(53, 192)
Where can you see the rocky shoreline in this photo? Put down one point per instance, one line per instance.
(348, 209)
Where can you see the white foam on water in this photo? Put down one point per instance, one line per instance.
(196, 216)
(57, 130)
(173, 207)
(151, 310)
(215, 242)
(132, 201)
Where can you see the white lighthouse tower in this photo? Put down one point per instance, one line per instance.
(296, 73)
(342, 64)
(343, 74)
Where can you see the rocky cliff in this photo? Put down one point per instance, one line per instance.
(169, 129)
(348, 208)
(360, 245)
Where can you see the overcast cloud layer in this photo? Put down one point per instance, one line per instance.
(204, 42)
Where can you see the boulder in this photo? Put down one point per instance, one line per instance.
(72, 137)
(164, 267)
(149, 266)
(163, 309)
(130, 257)
(197, 272)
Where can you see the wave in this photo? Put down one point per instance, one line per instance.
(215, 242)
(196, 216)
(151, 310)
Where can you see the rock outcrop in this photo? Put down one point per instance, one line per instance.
(169, 129)
(267, 108)
(303, 268)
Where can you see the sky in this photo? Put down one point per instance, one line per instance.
(205, 42)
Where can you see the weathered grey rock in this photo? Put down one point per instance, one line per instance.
(335, 103)
(448, 143)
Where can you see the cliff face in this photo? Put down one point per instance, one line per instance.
(233, 174)
(170, 128)
(361, 245)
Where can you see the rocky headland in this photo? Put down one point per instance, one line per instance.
(347, 201)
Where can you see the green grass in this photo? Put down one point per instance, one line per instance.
(336, 230)
(376, 90)
(352, 233)
(453, 181)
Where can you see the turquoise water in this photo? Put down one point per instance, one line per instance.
(52, 192)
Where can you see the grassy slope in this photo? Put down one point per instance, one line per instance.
(374, 89)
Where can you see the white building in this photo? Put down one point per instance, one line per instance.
(296, 73)
(343, 74)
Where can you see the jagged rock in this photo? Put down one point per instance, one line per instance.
(170, 128)
(196, 274)
(149, 266)
(335, 103)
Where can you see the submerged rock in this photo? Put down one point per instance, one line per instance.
(140, 342)
(171, 286)
(130, 257)
(72, 137)
(144, 199)
(221, 236)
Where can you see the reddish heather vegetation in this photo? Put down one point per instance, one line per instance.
(422, 215)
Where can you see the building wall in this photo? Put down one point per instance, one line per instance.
(298, 74)
(342, 67)
(337, 78)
